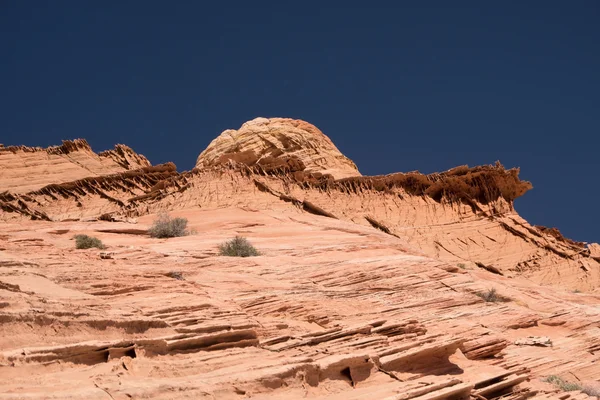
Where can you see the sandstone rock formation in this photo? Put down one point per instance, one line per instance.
(366, 287)
(279, 138)
(23, 168)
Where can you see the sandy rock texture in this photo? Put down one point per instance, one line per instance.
(279, 138)
(330, 309)
(404, 286)
(23, 168)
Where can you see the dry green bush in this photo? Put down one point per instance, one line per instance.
(87, 242)
(238, 247)
(175, 275)
(492, 296)
(166, 227)
(562, 384)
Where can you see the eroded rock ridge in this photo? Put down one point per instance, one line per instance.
(367, 287)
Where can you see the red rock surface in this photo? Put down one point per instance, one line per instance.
(23, 168)
(366, 288)
(279, 138)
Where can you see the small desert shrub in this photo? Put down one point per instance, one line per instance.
(562, 384)
(87, 242)
(238, 247)
(461, 266)
(175, 275)
(166, 227)
(492, 296)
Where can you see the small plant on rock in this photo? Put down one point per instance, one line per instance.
(87, 242)
(492, 296)
(175, 275)
(562, 384)
(166, 227)
(238, 247)
(461, 266)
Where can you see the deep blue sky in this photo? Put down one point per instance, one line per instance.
(398, 86)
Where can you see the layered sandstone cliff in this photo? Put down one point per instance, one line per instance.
(330, 310)
(464, 215)
(278, 138)
(23, 168)
(366, 287)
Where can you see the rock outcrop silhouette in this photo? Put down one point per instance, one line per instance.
(269, 139)
(25, 168)
(402, 286)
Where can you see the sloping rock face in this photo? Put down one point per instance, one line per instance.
(23, 169)
(366, 287)
(330, 310)
(463, 216)
(279, 138)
